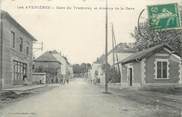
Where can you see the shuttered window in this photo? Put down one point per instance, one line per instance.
(162, 69)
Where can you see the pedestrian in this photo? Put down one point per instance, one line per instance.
(25, 80)
(67, 81)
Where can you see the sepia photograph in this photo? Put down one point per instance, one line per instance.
(90, 58)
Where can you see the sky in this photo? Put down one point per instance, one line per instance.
(76, 28)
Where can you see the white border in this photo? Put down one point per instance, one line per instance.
(160, 54)
(155, 68)
(162, 84)
(128, 80)
(143, 71)
(180, 73)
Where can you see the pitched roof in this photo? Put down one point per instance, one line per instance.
(6, 15)
(145, 53)
(120, 48)
(66, 59)
(124, 47)
(60, 58)
(47, 57)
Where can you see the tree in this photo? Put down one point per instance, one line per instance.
(81, 68)
(113, 73)
(76, 69)
(146, 37)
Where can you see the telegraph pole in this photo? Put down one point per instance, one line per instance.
(115, 45)
(38, 48)
(106, 49)
(1, 47)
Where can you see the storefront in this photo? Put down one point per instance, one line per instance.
(19, 71)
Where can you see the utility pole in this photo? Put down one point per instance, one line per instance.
(106, 49)
(115, 45)
(1, 47)
(39, 47)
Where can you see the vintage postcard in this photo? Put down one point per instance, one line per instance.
(90, 58)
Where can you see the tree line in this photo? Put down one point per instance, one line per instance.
(81, 68)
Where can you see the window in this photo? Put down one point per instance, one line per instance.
(162, 69)
(21, 44)
(27, 50)
(19, 69)
(13, 39)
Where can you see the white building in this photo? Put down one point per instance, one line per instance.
(66, 68)
(97, 74)
(70, 69)
(120, 52)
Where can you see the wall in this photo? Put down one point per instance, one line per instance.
(64, 65)
(137, 72)
(124, 82)
(38, 78)
(136, 81)
(173, 69)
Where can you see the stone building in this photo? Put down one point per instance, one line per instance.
(49, 64)
(15, 52)
(155, 66)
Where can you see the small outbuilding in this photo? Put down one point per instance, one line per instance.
(155, 66)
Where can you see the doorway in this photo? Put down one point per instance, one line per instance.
(130, 76)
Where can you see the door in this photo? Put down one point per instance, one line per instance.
(130, 76)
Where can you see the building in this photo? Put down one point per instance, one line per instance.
(49, 64)
(15, 52)
(56, 66)
(156, 66)
(97, 73)
(70, 69)
(120, 52)
(38, 78)
(66, 68)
